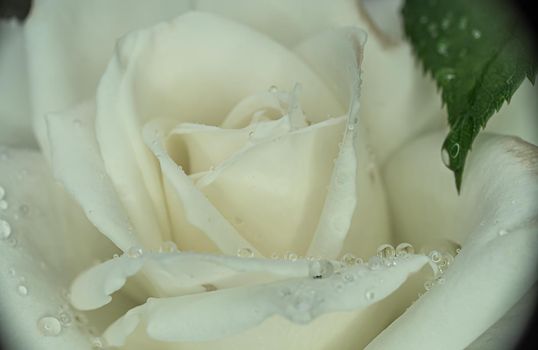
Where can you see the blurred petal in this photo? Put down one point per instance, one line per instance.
(386, 18)
(518, 117)
(495, 219)
(505, 333)
(49, 242)
(15, 108)
(218, 314)
(67, 49)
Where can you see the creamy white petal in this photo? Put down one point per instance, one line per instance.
(70, 42)
(494, 219)
(202, 317)
(49, 242)
(333, 55)
(390, 73)
(196, 208)
(179, 273)
(518, 117)
(164, 72)
(78, 165)
(386, 18)
(15, 109)
(505, 333)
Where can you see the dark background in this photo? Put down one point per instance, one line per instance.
(20, 9)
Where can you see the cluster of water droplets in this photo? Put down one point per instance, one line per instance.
(442, 261)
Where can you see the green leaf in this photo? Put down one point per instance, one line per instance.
(477, 52)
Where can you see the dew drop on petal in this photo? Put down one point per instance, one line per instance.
(349, 259)
(2, 192)
(135, 252)
(445, 157)
(369, 295)
(168, 247)
(386, 251)
(435, 256)
(22, 290)
(273, 89)
(292, 256)
(5, 229)
(318, 269)
(503, 232)
(245, 253)
(375, 262)
(404, 249)
(428, 285)
(49, 326)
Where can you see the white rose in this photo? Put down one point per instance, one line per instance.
(210, 131)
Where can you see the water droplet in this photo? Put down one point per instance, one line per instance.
(349, 259)
(503, 232)
(476, 34)
(115, 256)
(386, 251)
(22, 290)
(245, 253)
(5, 229)
(251, 133)
(168, 247)
(2, 192)
(49, 326)
(458, 250)
(445, 157)
(3, 205)
(375, 262)
(454, 150)
(428, 285)
(318, 269)
(404, 249)
(348, 277)
(369, 295)
(65, 318)
(97, 343)
(435, 256)
(292, 256)
(135, 252)
(273, 89)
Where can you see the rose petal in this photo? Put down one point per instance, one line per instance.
(203, 317)
(390, 73)
(77, 164)
(196, 208)
(505, 333)
(50, 242)
(179, 274)
(145, 81)
(15, 120)
(495, 219)
(386, 17)
(66, 48)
